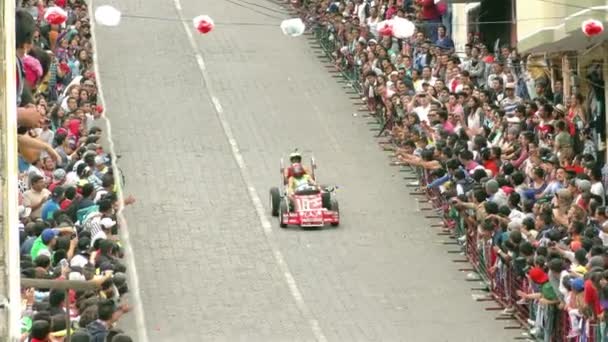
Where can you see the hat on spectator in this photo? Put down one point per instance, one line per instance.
(492, 186)
(107, 223)
(58, 191)
(99, 160)
(394, 73)
(372, 41)
(583, 185)
(510, 85)
(578, 284)
(48, 234)
(538, 275)
(92, 146)
(580, 269)
(551, 159)
(559, 108)
(514, 225)
(59, 174)
(596, 262)
(564, 194)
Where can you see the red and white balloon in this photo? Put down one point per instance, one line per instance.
(397, 27)
(592, 27)
(55, 15)
(203, 24)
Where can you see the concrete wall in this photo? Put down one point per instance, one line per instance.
(534, 15)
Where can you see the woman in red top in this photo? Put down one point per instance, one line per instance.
(592, 297)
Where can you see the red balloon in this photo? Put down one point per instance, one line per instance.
(99, 109)
(204, 27)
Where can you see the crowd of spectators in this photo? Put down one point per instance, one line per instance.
(68, 192)
(514, 163)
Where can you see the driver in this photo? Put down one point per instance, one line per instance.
(294, 158)
(298, 178)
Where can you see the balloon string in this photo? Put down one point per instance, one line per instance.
(133, 16)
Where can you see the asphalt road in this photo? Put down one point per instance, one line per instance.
(207, 268)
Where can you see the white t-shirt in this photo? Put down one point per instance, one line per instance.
(597, 189)
(423, 112)
(99, 235)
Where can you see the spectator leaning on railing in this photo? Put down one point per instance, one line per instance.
(512, 163)
(68, 201)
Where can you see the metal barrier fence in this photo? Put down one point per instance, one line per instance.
(10, 294)
(503, 278)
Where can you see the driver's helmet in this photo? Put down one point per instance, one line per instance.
(295, 157)
(298, 170)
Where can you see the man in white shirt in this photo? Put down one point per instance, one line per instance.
(36, 196)
(423, 108)
(106, 224)
(361, 10)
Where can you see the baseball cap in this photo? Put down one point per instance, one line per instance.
(583, 185)
(58, 191)
(510, 85)
(492, 185)
(551, 159)
(48, 234)
(59, 174)
(578, 284)
(99, 160)
(514, 225)
(372, 41)
(107, 223)
(538, 275)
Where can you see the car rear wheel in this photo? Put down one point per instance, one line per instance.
(275, 201)
(282, 209)
(335, 207)
(326, 200)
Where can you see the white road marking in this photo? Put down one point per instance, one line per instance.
(138, 311)
(217, 104)
(200, 61)
(253, 194)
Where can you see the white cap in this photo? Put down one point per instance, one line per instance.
(107, 223)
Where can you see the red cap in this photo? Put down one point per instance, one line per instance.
(538, 275)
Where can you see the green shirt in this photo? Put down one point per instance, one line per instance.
(39, 248)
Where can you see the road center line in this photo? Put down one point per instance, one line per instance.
(253, 194)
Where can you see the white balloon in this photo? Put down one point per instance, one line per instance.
(293, 27)
(402, 28)
(107, 16)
